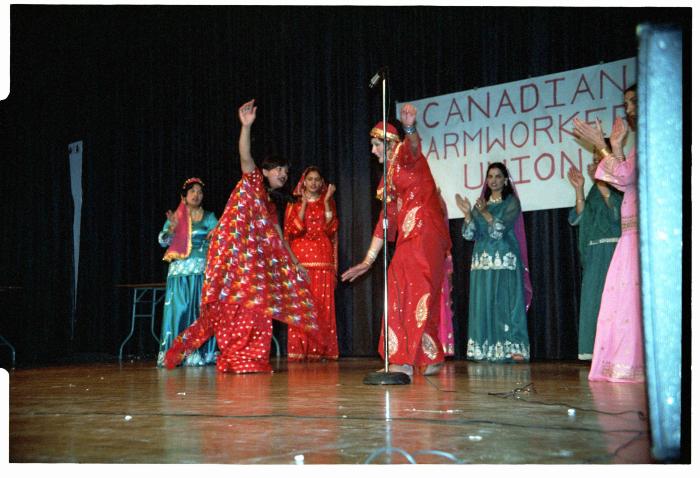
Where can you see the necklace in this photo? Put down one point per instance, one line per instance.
(197, 213)
(493, 200)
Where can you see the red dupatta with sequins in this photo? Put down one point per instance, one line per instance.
(247, 262)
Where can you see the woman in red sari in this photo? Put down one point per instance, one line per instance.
(252, 276)
(415, 277)
(311, 228)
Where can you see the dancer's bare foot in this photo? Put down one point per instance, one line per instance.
(433, 369)
(407, 369)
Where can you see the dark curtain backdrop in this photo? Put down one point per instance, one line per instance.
(153, 92)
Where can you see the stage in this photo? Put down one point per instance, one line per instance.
(471, 413)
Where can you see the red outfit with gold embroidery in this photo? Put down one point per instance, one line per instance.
(249, 280)
(416, 223)
(314, 243)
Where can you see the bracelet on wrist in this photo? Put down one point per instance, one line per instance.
(604, 152)
(370, 257)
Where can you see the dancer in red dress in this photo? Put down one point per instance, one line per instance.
(415, 277)
(311, 228)
(252, 276)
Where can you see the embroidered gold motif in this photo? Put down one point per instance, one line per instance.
(487, 262)
(429, 348)
(409, 221)
(317, 265)
(393, 342)
(629, 223)
(621, 371)
(422, 310)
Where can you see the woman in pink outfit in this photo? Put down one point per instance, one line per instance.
(618, 352)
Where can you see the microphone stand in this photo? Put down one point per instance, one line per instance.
(384, 377)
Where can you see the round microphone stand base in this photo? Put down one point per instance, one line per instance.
(386, 378)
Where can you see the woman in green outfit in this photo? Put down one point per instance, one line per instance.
(499, 289)
(598, 220)
(186, 234)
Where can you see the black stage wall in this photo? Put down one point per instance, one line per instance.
(153, 92)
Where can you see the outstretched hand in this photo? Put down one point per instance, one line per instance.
(354, 272)
(246, 113)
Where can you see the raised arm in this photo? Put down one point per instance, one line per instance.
(246, 114)
(408, 121)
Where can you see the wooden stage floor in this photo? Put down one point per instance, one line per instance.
(469, 413)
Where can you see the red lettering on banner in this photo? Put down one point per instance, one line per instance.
(466, 177)
(537, 128)
(520, 176)
(454, 106)
(523, 108)
(502, 142)
(620, 109)
(587, 89)
(486, 112)
(561, 126)
(512, 133)
(588, 113)
(554, 82)
(425, 115)
(505, 101)
(452, 144)
(466, 136)
(432, 150)
(620, 88)
(551, 166)
(564, 157)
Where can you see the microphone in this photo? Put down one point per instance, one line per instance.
(377, 76)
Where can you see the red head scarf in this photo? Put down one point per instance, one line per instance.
(299, 190)
(392, 134)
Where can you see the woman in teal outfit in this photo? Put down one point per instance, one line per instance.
(499, 289)
(597, 216)
(186, 234)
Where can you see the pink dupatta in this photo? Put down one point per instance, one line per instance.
(181, 244)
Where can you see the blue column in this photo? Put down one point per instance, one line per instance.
(660, 148)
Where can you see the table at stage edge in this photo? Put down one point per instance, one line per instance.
(3, 340)
(141, 296)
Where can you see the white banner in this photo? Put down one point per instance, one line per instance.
(526, 124)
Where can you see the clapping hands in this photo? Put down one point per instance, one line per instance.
(464, 205)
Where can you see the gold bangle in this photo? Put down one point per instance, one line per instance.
(604, 152)
(580, 200)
